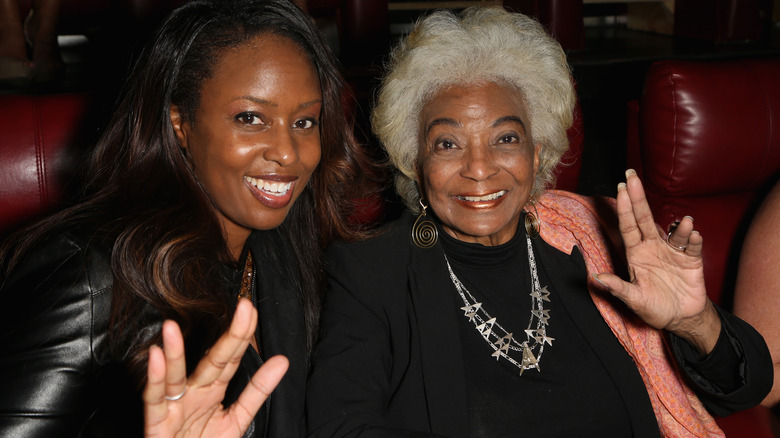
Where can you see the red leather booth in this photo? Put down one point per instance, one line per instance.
(41, 143)
(705, 139)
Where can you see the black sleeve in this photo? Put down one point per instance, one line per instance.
(351, 384)
(46, 363)
(736, 375)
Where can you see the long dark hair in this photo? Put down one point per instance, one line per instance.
(168, 247)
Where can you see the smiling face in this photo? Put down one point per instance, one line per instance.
(477, 161)
(255, 140)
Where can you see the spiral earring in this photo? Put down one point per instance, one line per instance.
(424, 232)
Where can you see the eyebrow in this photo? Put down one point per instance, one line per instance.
(442, 121)
(450, 122)
(266, 102)
(506, 119)
(309, 103)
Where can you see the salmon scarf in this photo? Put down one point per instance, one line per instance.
(567, 220)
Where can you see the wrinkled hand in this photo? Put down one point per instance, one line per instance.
(666, 287)
(175, 405)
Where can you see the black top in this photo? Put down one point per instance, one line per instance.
(390, 360)
(573, 383)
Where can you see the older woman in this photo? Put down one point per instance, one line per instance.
(211, 192)
(487, 314)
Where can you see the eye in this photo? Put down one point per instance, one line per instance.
(444, 144)
(306, 123)
(249, 118)
(508, 138)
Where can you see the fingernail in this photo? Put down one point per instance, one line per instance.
(630, 172)
(689, 217)
(596, 277)
(621, 186)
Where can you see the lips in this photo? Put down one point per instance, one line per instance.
(481, 198)
(274, 191)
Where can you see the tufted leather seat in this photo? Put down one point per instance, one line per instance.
(40, 148)
(705, 138)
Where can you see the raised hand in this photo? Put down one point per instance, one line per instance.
(175, 405)
(666, 287)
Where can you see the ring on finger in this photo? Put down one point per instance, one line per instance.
(673, 246)
(177, 396)
(672, 226)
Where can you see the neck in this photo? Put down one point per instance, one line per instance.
(236, 246)
(499, 238)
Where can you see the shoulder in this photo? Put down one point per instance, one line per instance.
(58, 289)
(54, 310)
(764, 225)
(391, 246)
(567, 206)
(590, 223)
(67, 252)
(374, 272)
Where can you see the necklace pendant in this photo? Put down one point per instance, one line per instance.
(504, 343)
(486, 328)
(529, 360)
(542, 314)
(470, 311)
(541, 294)
(541, 337)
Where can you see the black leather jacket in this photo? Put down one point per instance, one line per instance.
(58, 374)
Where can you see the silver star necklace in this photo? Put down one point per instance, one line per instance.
(499, 339)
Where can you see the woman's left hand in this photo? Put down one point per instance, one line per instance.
(177, 405)
(666, 287)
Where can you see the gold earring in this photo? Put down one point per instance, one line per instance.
(424, 232)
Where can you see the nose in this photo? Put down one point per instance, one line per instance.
(479, 163)
(282, 148)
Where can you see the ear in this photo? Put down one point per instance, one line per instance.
(418, 175)
(537, 149)
(179, 126)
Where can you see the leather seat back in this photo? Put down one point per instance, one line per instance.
(705, 138)
(41, 145)
(708, 146)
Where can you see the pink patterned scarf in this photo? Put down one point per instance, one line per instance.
(567, 220)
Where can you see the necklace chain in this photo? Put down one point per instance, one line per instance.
(501, 340)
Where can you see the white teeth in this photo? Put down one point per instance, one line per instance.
(489, 197)
(273, 187)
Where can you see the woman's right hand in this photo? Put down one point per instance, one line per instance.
(175, 405)
(666, 287)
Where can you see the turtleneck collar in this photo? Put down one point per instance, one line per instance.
(475, 255)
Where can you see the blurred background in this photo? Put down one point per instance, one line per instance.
(610, 45)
